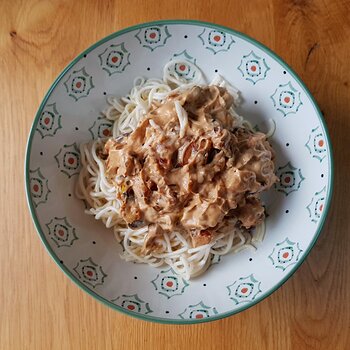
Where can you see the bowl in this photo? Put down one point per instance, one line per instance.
(71, 114)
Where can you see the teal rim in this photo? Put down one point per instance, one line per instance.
(158, 319)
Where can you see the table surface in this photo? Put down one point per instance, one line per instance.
(40, 308)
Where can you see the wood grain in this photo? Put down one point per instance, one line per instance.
(40, 308)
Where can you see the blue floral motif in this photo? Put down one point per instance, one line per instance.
(253, 67)
(68, 159)
(316, 206)
(198, 311)
(216, 40)
(61, 232)
(114, 59)
(90, 273)
(50, 121)
(286, 99)
(245, 289)
(285, 254)
(316, 144)
(153, 37)
(169, 284)
(39, 187)
(79, 84)
(290, 179)
(132, 303)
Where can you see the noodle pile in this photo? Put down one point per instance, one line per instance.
(174, 248)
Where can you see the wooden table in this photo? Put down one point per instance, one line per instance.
(40, 308)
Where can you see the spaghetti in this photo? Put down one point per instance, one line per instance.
(174, 248)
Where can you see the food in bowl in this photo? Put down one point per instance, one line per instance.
(180, 179)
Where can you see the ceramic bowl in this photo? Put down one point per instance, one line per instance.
(71, 113)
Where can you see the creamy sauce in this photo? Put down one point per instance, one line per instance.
(194, 177)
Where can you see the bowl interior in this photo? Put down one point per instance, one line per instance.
(71, 114)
